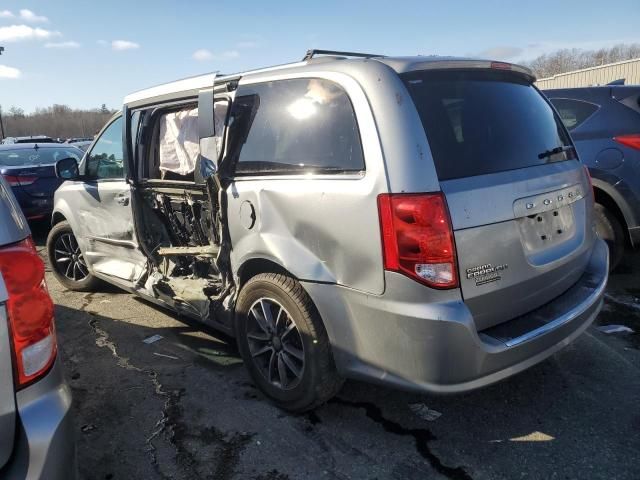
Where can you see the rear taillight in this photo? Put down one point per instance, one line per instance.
(417, 238)
(30, 311)
(22, 180)
(632, 140)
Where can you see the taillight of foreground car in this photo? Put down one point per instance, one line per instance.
(30, 311)
(631, 141)
(417, 238)
(16, 181)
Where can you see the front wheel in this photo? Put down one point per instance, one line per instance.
(284, 344)
(67, 261)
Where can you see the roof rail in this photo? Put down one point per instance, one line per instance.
(311, 53)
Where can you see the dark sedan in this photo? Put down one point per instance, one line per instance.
(29, 169)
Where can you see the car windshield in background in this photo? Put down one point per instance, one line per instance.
(36, 156)
(480, 122)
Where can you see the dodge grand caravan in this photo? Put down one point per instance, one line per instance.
(419, 222)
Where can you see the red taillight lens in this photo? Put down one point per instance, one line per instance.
(417, 238)
(632, 141)
(30, 311)
(15, 181)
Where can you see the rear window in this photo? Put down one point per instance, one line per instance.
(573, 112)
(36, 156)
(480, 122)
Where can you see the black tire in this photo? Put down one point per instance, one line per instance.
(610, 230)
(61, 238)
(284, 297)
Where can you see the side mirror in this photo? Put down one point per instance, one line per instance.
(67, 169)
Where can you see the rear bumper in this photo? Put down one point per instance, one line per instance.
(45, 443)
(399, 340)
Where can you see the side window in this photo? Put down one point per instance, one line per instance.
(294, 126)
(573, 112)
(105, 160)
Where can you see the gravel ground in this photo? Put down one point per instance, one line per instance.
(184, 407)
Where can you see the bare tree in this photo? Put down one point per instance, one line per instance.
(57, 121)
(566, 60)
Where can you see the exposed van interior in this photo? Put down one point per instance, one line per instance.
(177, 222)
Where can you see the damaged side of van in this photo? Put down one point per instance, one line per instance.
(418, 222)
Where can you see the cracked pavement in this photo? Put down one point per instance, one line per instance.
(184, 407)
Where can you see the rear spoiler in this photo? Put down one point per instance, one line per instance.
(480, 64)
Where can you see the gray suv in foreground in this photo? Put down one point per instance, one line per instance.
(418, 222)
(36, 430)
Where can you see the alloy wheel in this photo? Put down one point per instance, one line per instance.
(68, 259)
(275, 344)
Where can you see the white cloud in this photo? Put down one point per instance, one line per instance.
(16, 33)
(9, 72)
(29, 16)
(6, 14)
(69, 44)
(202, 55)
(124, 45)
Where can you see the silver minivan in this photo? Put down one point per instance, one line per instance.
(37, 437)
(418, 222)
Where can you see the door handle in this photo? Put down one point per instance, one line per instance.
(124, 201)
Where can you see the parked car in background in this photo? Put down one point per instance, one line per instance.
(419, 222)
(82, 145)
(29, 169)
(29, 139)
(604, 123)
(36, 427)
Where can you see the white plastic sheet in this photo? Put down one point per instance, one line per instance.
(179, 142)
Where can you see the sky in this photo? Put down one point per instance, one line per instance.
(85, 54)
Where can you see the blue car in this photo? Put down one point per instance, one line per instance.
(604, 123)
(29, 169)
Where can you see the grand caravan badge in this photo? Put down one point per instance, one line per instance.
(483, 274)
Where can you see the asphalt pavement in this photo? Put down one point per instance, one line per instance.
(183, 407)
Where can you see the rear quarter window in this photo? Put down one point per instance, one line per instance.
(574, 112)
(294, 127)
(479, 121)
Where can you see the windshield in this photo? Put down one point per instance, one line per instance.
(36, 156)
(480, 122)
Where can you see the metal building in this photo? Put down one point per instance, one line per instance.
(629, 70)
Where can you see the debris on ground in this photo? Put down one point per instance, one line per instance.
(152, 339)
(424, 412)
(166, 356)
(87, 428)
(615, 329)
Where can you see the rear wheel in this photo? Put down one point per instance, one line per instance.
(67, 261)
(284, 344)
(610, 230)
